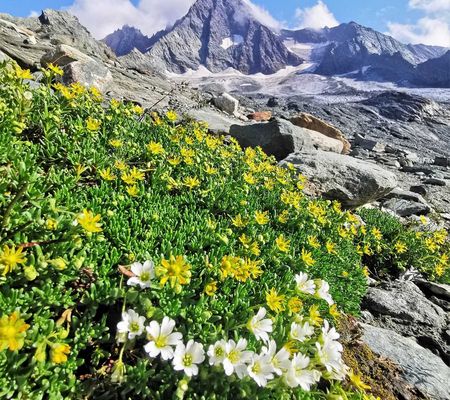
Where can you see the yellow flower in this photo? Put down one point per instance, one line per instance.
(137, 175)
(314, 315)
(12, 332)
(10, 258)
(55, 69)
(89, 221)
(275, 301)
(175, 271)
(120, 165)
(96, 93)
(431, 245)
(137, 109)
(115, 143)
(307, 258)
(313, 242)
(171, 115)
(295, 305)
(92, 124)
(283, 217)
(59, 353)
(238, 221)
(249, 178)
(423, 219)
(128, 178)
(282, 243)
(400, 247)
(155, 148)
(191, 182)
(376, 233)
(23, 73)
(262, 218)
(211, 288)
(334, 312)
(210, 170)
(254, 249)
(331, 247)
(345, 274)
(187, 153)
(133, 191)
(107, 175)
(357, 382)
(51, 224)
(174, 161)
(291, 347)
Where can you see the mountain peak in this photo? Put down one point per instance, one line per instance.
(221, 34)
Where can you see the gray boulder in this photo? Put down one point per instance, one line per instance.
(406, 208)
(227, 103)
(89, 74)
(421, 368)
(405, 301)
(62, 55)
(352, 181)
(278, 137)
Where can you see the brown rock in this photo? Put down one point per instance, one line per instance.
(260, 116)
(308, 121)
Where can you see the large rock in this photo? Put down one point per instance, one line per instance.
(405, 301)
(421, 367)
(278, 137)
(226, 103)
(340, 177)
(406, 208)
(62, 55)
(308, 121)
(89, 74)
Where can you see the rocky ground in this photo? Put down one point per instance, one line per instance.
(399, 159)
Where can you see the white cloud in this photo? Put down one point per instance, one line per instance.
(33, 14)
(102, 17)
(263, 16)
(430, 6)
(432, 29)
(315, 17)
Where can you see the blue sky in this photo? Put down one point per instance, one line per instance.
(408, 20)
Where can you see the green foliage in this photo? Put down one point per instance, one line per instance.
(402, 248)
(86, 189)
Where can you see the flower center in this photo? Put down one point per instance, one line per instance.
(218, 351)
(256, 369)
(233, 356)
(145, 276)
(134, 327)
(8, 332)
(187, 360)
(161, 341)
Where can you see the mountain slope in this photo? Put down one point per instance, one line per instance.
(221, 34)
(124, 40)
(353, 48)
(434, 72)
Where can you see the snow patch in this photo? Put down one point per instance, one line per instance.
(228, 42)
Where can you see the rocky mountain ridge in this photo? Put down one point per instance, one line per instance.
(221, 34)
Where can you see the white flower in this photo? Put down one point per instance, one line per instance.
(132, 324)
(301, 332)
(144, 274)
(304, 284)
(187, 357)
(322, 292)
(216, 352)
(329, 355)
(329, 333)
(259, 326)
(236, 357)
(260, 369)
(299, 375)
(162, 339)
(280, 361)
